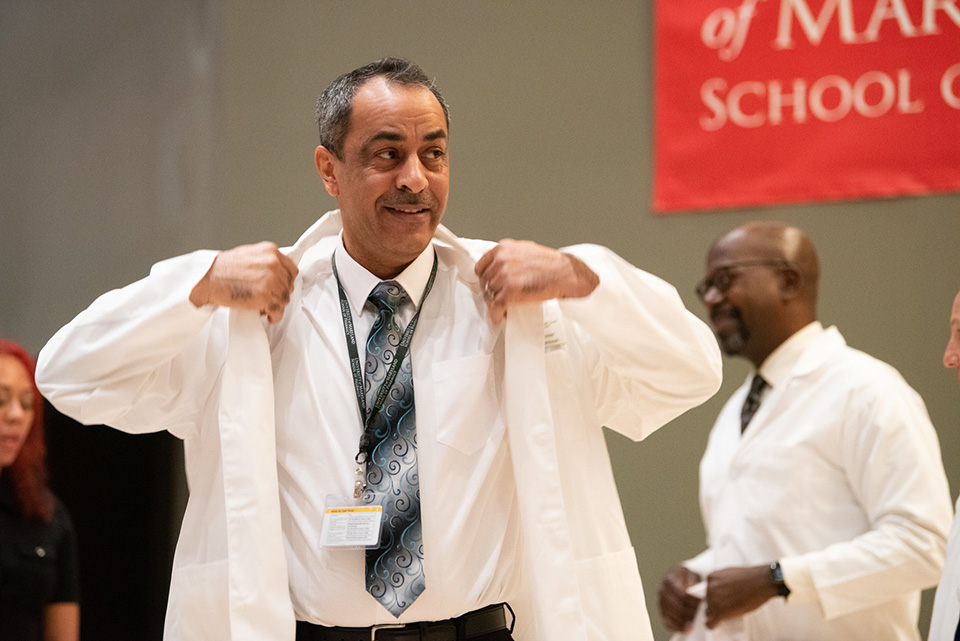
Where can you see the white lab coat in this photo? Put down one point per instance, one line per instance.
(839, 477)
(946, 605)
(143, 359)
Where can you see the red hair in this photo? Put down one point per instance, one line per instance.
(28, 473)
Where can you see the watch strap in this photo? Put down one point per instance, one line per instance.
(776, 576)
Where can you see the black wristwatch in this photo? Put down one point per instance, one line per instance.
(776, 575)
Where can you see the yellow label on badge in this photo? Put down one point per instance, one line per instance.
(341, 510)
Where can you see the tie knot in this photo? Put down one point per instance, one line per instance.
(757, 385)
(387, 294)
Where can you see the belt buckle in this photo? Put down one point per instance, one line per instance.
(385, 626)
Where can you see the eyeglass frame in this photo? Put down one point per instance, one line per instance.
(710, 282)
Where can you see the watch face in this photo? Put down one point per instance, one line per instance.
(776, 572)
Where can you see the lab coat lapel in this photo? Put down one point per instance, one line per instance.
(558, 609)
(548, 545)
(259, 599)
(259, 603)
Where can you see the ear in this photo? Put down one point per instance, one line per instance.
(326, 166)
(790, 283)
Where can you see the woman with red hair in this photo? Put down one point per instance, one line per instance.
(39, 591)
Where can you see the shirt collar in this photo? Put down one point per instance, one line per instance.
(357, 282)
(776, 368)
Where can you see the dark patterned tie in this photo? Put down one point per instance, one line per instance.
(752, 402)
(394, 571)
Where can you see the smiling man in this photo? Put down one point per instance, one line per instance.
(821, 489)
(410, 445)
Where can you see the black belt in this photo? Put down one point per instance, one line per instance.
(472, 625)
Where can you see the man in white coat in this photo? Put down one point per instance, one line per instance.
(821, 489)
(477, 477)
(945, 621)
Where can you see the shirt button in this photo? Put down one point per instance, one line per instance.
(40, 552)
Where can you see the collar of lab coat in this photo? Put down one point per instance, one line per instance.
(817, 354)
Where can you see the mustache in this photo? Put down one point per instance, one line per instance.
(406, 199)
(726, 310)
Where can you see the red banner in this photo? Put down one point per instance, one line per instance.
(776, 101)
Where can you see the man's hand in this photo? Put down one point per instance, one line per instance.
(516, 272)
(676, 606)
(258, 277)
(733, 592)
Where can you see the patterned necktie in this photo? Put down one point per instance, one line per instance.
(752, 402)
(394, 571)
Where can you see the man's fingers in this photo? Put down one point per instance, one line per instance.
(518, 272)
(677, 613)
(673, 622)
(274, 313)
(484, 263)
(678, 608)
(258, 277)
(289, 267)
(715, 618)
(497, 310)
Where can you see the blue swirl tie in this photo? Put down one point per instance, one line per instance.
(394, 571)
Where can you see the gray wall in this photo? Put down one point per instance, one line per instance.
(145, 129)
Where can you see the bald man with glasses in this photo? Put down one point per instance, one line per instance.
(821, 489)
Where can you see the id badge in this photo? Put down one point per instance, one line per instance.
(350, 524)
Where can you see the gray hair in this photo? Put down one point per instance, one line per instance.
(336, 102)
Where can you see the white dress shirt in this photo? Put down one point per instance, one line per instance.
(470, 525)
(837, 476)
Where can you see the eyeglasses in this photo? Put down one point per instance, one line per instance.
(723, 278)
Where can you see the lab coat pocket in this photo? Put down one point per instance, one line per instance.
(199, 603)
(466, 404)
(613, 602)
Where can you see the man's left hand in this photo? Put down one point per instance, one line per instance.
(516, 272)
(733, 592)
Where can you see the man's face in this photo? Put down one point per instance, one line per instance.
(951, 357)
(393, 181)
(744, 288)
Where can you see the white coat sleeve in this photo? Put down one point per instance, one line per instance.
(650, 359)
(892, 462)
(141, 358)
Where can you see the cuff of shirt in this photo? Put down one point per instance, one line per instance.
(797, 576)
